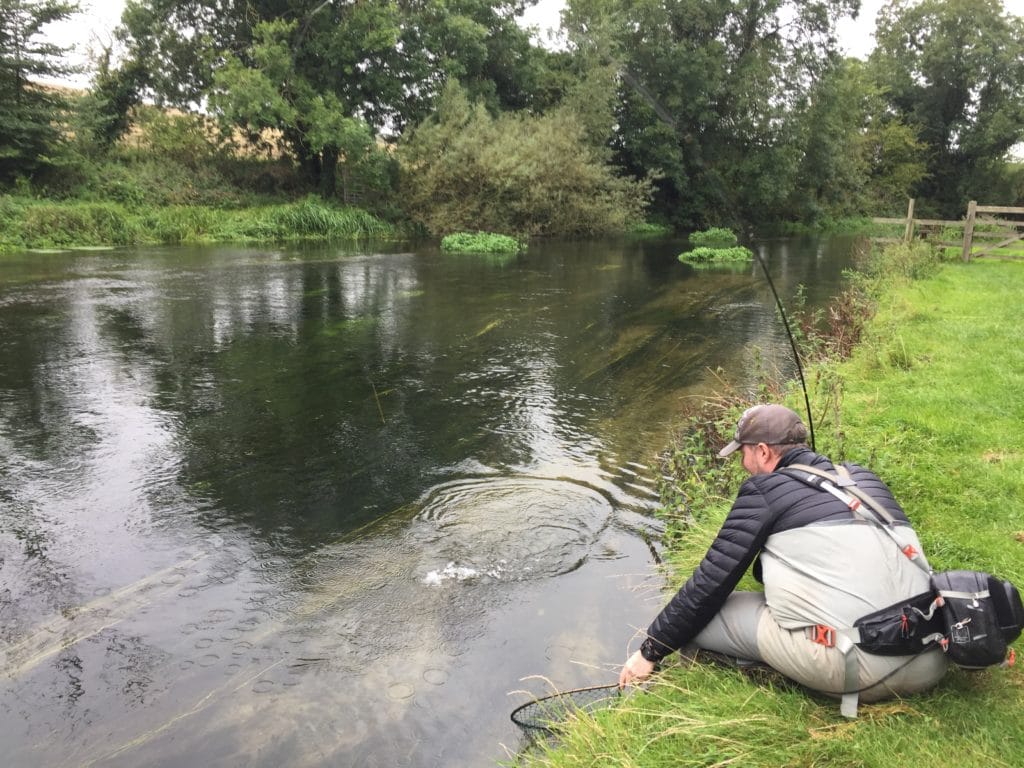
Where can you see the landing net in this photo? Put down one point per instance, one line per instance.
(546, 713)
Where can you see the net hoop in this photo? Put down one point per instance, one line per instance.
(544, 713)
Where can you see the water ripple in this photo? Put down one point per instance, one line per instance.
(509, 528)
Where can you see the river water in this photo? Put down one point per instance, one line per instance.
(336, 505)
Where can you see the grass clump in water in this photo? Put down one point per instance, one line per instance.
(705, 255)
(480, 242)
(716, 245)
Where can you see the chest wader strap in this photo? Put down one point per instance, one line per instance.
(843, 640)
(848, 704)
(844, 488)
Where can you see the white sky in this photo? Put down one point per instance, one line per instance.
(99, 17)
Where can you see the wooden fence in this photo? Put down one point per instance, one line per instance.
(980, 223)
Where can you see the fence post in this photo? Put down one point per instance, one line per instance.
(969, 229)
(908, 233)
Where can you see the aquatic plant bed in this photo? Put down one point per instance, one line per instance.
(704, 255)
(481, 242)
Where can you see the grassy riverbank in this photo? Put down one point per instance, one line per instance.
(933, 399)
(26, 223)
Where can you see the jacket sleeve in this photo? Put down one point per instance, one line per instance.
(740, 539)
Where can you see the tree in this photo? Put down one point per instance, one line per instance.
(269, 97)
(954, 71)
(30, 114)
(858, 156)
(315, 71)
(708, 94)
(387, 58)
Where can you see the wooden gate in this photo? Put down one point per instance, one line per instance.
(1010, 230)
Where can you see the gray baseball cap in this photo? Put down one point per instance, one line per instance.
(771, 424)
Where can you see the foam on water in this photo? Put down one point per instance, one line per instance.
(449, 572)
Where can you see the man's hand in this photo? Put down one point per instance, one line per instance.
(635, 669)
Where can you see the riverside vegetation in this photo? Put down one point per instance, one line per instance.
(917, 373)
(443, 117)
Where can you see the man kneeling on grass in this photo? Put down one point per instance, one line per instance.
(824, 564)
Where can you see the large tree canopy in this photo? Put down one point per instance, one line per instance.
(28, 112)
(314, 69)
(385, 59)
(954, 70)
(710, 89)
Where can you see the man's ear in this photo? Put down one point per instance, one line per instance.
(768, 456)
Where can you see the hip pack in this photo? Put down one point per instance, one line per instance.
(973, 616)
(981, 616)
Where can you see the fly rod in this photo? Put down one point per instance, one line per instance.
(792, 345)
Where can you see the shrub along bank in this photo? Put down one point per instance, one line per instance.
(933, 399)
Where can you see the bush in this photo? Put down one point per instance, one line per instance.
(480, 242)
(715, 237)
(532, 174)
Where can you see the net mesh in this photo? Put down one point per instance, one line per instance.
(545, 714)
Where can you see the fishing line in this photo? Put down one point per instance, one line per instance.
(792, 345)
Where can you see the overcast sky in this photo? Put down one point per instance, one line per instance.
(99, 17)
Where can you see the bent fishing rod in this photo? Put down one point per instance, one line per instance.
(792, 345)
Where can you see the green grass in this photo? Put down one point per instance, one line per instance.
(946, 429)
(648, 229)
(933, 399)
(27, 223)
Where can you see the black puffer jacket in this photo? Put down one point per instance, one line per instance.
(766, 504)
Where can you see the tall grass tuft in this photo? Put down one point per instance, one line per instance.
(715, 237)
(313, 219)
(63, 224)
(180, 224)
(26, 223)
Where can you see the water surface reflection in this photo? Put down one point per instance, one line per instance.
(316, 506)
